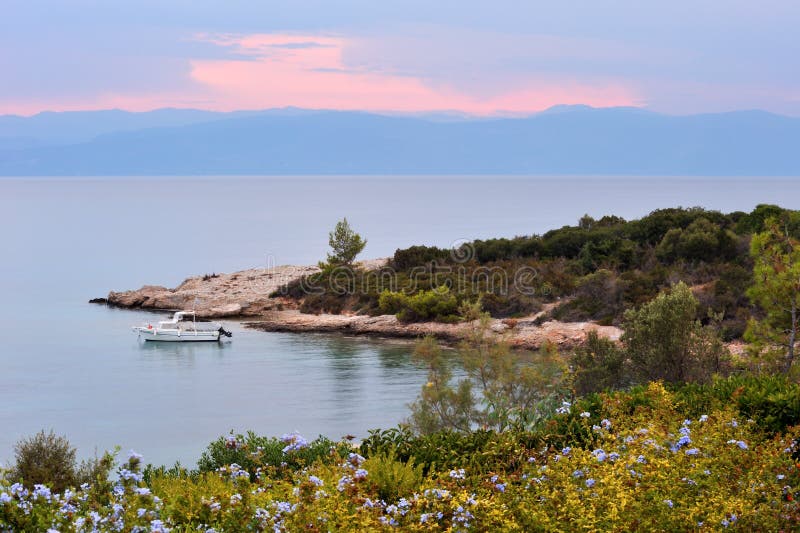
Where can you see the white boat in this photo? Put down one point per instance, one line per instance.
(183, 327)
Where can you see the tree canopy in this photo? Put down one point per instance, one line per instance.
(345, 244)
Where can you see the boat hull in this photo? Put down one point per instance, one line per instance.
(186, 336)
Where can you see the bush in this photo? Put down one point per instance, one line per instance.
(597, 297)
(599, 364)
(702, 240)
(436, 304)
(393, 479)
(664, 341)
(251, 451)
(47, 458)
(418, 255)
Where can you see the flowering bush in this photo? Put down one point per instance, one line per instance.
(652, 467)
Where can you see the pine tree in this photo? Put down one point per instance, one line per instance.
(776, 254)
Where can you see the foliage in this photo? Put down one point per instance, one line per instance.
(664, 341)
(777, 290)
(251, 451)
(436, 304)
(393, 479)
(655, 458)
(599, 364)
(594, 270)
(599, 296)
(345, 245)
(514, 388)
(49, 458)
(702, 240)
(418, 255)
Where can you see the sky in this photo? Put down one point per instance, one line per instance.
(482, 58)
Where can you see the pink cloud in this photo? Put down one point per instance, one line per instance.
(309, 71)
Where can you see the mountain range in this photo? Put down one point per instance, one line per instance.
(562, 140)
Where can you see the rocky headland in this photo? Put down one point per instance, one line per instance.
(247, 295)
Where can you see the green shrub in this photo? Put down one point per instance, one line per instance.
(393, 479)
(251, 451)
(47, 458)
(436, 304)
(599, 364)
(664, 341)
(404, 259)
(480, 450)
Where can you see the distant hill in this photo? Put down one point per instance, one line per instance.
(562, 140)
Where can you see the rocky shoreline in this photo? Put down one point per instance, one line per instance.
(246, 295)
(520, 333)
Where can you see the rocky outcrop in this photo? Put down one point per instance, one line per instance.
(240, 294)
(246, 294)
(521, 333)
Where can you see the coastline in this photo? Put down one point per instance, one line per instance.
(246, 296)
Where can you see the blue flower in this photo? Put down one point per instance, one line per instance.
(692, 451)
(458, 474)
(355, 459)
(599, 454)
(283, 507)
(344, 482)
(133, 456)
(566, 451)
(316, 481)
(41, 491)
(157, 526)
(590, 482)
(294, 441)
(669, 503)
(564, 409)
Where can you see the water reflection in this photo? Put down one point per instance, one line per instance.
(181, 353)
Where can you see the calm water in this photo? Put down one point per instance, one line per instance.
(77, 368)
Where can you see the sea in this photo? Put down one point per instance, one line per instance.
(78, 369)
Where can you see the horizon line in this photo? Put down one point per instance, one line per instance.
(454, 113)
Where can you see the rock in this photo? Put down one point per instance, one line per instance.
(224, 311)
(525, 334)
(499, 327)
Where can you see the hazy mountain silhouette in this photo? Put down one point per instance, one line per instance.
(562, 140)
